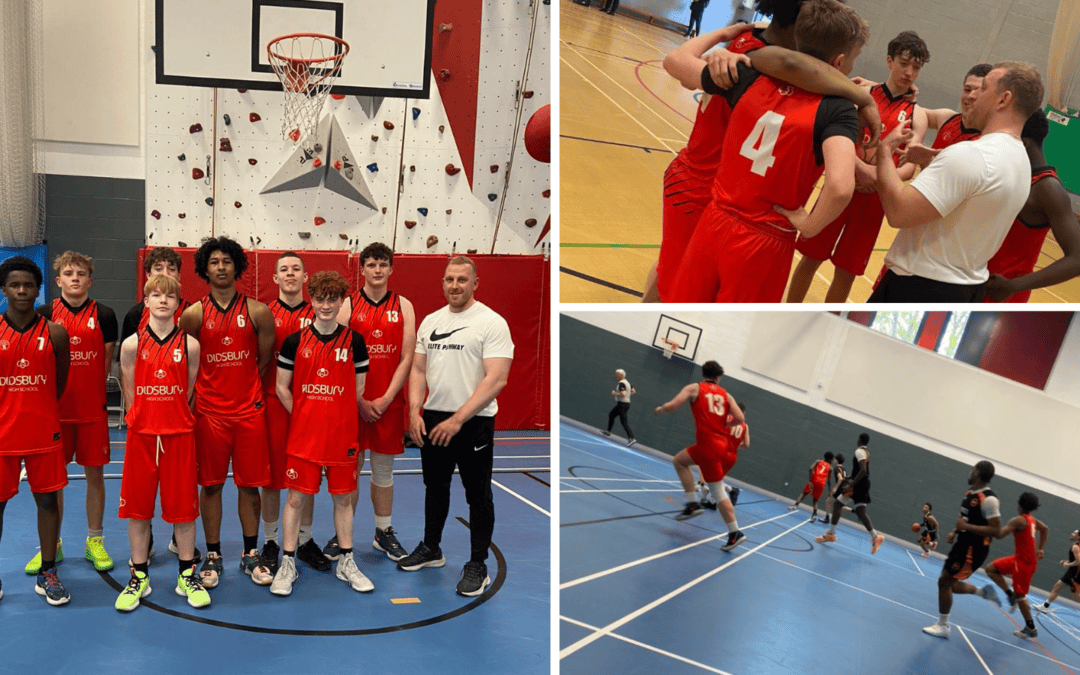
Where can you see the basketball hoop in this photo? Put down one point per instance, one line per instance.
(307, 65)
(669, 347)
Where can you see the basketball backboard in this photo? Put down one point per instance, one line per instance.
(682, 336)
(222, 43)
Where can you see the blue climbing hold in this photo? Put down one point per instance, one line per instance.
(415, 113)
(373, 167)
(422, 211)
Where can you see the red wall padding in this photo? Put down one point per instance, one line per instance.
(933, 324)
(457, 51)
(1024, 345)
(517, 287)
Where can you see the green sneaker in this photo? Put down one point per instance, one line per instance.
(189, 585)
(137, 589)
(34, 566)
(95, 553)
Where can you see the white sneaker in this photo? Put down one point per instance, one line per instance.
(347, 571)
(1044, 610)
(937, 630)
(286, 575)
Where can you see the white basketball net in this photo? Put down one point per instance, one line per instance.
(669, 348)
(307, 65)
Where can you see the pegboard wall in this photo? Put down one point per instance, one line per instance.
(452, 167)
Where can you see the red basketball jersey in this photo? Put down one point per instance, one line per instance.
(287, 320)
(1020, 250)
(30, 422)
(952, 132)
(382, 325)
(84, 393)
(228, 384)
(325, 414)
(821, 471)
(160, 406)
(144, 319)
(893, 109)
(710, 414)
(1025, 541)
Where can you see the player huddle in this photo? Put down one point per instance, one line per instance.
(772, 121)
(285, 394)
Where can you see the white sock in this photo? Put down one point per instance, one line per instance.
(270, 530)
(382, 522)
(691, 497)
(832, 528)
(943, 619)
(733, 526)
(90, 534)
(873, 533)
(305, 534)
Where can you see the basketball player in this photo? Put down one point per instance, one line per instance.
(34, 359)
(928, 534)
(621, 393)
(715, 448)
(1022, 564)
(161, 260)
(849, 240)
(237, 338)
(952, 127)
(1048, 208)
(1072, 567)
(858, 488)
(291, 313)
(320, 381)
(462, 362)
(159, 365)
(91, 328)
(981, 512)
(837, 475)
(387, 323)
(815, 486)
(777, 144)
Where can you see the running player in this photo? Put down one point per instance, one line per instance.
(981, 512)
(158, 367)
(779, 141)
(815, 486)
(291, 313)
(858, 489)
(715, 448)
(621, 393)
(1012, 269)
(237, 338)
(161, 260)
(387, 323)
(1072, 568)
(849, 240)
(91, 328)
(837, 475)
(34, 359)
(320, 381)
(928, 533)
(1022, 564)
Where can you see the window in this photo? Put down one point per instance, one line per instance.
(901, 325)
(954, 331)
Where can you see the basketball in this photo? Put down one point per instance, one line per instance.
(538, 135)
(915, 527)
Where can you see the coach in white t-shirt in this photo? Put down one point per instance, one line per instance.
(463, 354)
(954, 216)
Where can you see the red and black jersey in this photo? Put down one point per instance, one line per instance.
(710, 413)
(1024, 539)
(30, 422)
(820, 474)
(323, 425)
(160, 405)
(90, 327)
(138, 317)
(894, 110)
(382, 325)
(954, 131)
(287, 320)
(1020, 251)
(971, 510)
(228, 384)
(773, 146)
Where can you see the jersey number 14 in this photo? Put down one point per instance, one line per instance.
(760, 144)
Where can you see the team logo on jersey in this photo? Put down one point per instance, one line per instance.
(123, 502)
(278, 322)
(739, 44)
(159, 374)
(75, 339)
(23, 363)
(307, 353)
(291, 473)
(210, 323)
(323, 372)
(4, 344)
(786, 90)
(145, 355)
(376, 333)
(226, 340)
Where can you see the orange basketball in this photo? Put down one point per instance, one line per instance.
(915, 527)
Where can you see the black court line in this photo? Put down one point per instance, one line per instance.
(622, 145)
(608, 520)
(600, 51)
(488, 594)
(538, 480)
(601, 282)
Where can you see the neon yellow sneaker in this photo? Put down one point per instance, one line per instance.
(137, 589)
(95, 553)
(189, 585)
(34, 566)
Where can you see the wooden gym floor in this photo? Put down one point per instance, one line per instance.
(622, 121)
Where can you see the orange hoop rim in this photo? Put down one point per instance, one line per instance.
(289, 59)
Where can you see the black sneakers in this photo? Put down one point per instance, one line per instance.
(422, 556)
(387, 542)
(734, 496)
(332, 551)
(313, 556)
(270, 554)
(692, 509)
(733, 540)
(474, 579)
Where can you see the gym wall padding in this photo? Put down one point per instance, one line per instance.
(786, 438)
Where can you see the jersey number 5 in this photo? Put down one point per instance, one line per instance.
(758, 146)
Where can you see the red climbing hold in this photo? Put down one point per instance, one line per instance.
(451, 169)
(319, 221)
(410, 224)
(197, 173)
(253, 117)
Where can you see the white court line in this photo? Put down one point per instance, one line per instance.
(657, 556)
(582, 490)
(649, 647)
(977, 655)
(606, 630)
(608, 459)
(915, 562)
(622, 480)
(500, 485)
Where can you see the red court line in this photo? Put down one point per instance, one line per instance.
(1055, 659)
(637, 74)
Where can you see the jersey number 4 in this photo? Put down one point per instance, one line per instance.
(759, 145)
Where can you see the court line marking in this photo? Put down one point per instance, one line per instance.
(914, 562)
(622, 480)
(606, 630)
(977, 655)
(586, 490)
(500, 485)
(657, 556)
(648, 647)
(613, 446)
(1034, 641)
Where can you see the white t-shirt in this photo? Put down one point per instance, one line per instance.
(979, 188)
(456, 344)
(623, 388)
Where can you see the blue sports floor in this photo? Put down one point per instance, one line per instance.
(324, 626)
(643, 593)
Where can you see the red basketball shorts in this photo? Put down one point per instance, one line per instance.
(304, 476)
(713, 458)
(87, 442)
(1020, 571)
(849, 240)
(814, 489)
(730, 260)
(243, 441)
(166, 462)
(45, 471)
(385, 435)
(277, 428)
(686, 194)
